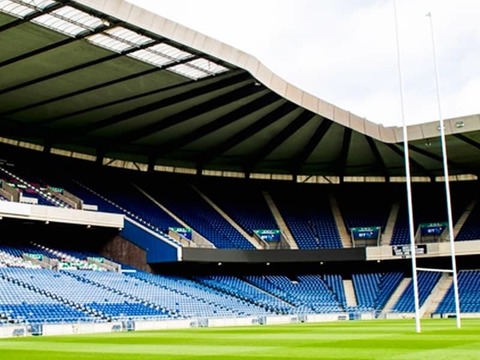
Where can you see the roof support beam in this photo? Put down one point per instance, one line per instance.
(58, 73)
(277, 140)
(247, 132)
(401, 153)
(299, 160)
(187, 114)
(467, 140)
(380, 163)
(77, 93)
(100, 156)
(93, 88)
(58, 44)
(115, 102)
(33, 15)
(73, 68)
(37, 51)
(440, 160)
(217, 124)
(153, 106)
(342, 160)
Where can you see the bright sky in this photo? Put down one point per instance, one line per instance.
(345, 51)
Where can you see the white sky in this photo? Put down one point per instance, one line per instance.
(345, 52)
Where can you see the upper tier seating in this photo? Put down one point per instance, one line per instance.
(307, 212)
(248, 207)
(429, 206)
(471, 228)
(30, 189)
(365, 205)
(195, 211)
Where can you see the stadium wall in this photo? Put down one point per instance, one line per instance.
(119, 326)
(125, 252)
(157, 250)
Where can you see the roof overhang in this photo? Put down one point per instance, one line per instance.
(113, 81)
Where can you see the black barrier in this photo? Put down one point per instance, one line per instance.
(272, 256)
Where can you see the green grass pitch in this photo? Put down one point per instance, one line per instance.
(375, 339)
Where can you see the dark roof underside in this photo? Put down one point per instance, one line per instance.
(67, 92)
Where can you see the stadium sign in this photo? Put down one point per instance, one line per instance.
(185, 232)
(269, 235)
(405, 250)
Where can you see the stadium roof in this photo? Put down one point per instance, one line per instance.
(114, 81)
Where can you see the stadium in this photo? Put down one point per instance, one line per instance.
(153, 179)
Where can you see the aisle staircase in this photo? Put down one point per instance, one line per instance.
(342, 229)
(350, 293)
(282, 225)
(395, 296)
(390, 225)
(437, 295)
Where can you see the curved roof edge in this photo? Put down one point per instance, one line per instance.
(159, 25)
